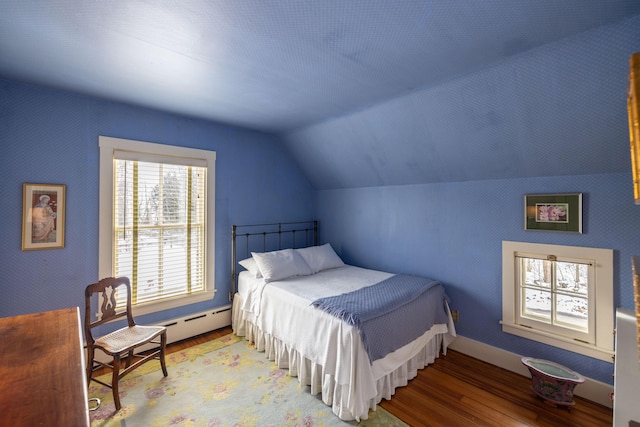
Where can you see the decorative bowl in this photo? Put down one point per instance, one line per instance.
(551, 381)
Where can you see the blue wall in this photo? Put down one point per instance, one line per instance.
(49, 136)
(454, 232)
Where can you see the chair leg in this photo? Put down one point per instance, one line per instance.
(130, 355)
(115, 380)
(163, 346)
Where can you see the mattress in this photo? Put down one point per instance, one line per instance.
(321, 350)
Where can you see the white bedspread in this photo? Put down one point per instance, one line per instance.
(321, 350)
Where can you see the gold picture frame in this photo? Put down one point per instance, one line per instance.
(633, 108)
(43, 216)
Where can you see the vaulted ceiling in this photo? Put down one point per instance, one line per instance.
(363, 92)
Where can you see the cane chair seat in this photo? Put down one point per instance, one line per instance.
(125, 338)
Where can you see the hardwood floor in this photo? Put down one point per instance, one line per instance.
(458, 390)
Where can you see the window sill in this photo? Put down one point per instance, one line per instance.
(166, 304)
(560, 342)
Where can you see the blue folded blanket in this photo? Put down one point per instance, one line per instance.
(391, 313)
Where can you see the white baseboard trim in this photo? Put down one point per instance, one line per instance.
(591, 389)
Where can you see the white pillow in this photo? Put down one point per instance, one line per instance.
(251, 266)
(279, 265)
(320, 258)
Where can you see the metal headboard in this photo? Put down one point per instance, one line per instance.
(268, 237)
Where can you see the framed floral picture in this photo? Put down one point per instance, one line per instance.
(43, 215)
(553, 212)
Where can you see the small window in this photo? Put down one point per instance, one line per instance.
(556, 295)
(559, 295)
(156, 220)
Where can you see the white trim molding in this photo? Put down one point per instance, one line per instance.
(601, 306)
(134, 150)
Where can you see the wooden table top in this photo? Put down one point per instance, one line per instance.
(42, 376)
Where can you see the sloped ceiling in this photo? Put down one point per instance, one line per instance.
(363, 92)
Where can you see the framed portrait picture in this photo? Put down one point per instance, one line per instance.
(43, 212)
(553, 212)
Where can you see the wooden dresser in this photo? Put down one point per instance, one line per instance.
(42, 376)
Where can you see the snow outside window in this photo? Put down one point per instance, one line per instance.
(559, 295)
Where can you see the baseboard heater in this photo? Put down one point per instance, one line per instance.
(189, 326)
(198, 323)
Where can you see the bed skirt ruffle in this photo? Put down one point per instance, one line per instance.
(342, 398)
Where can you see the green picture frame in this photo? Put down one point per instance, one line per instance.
(553, 212)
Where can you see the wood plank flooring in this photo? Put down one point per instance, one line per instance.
(458, 390)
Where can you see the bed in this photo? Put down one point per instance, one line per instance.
(289, 300)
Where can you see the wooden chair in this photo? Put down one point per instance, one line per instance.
(123, 343)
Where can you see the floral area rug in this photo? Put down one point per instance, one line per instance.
(224, 382)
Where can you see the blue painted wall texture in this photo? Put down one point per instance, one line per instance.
(454, 232)
(49, 136)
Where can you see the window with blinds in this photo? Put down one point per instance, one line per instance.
(159, 227)
(559, 295)
(157, 221)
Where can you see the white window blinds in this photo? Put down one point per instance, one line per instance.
(159, 226)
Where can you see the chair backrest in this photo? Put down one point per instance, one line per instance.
(106, 289)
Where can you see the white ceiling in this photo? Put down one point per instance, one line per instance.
(362, 92)
(275, 65)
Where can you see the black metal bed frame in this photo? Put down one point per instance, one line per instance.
(275, 236)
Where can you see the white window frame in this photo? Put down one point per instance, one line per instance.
(108, 146)
(601, 298)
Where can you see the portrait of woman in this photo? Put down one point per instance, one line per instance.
(44, 219)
